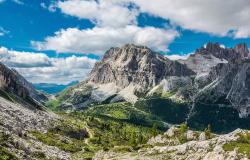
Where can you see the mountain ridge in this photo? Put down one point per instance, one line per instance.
(212, 75)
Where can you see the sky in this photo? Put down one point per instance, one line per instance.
(57, 41)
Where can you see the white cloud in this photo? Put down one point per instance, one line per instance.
(178, 57)
(3, 31)
(213, 16)
(18, 2)
(99, 39)
(39, 68)
(217, 17)
(62, 71)
(110, 13)
(23, 59)
(115, 25)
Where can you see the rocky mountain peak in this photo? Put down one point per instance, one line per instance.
(212, 54)
(132, 64)
(128, 50)
(213, 47)
(242, 48)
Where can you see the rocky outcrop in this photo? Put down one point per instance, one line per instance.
(13, 83)
(17, 121)
(168, 148)
(21, 113)
(212, 54)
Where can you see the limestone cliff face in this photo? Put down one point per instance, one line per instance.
(137, 65)
(212, 54)
(124, 74)
(228, 83)
(12, 82)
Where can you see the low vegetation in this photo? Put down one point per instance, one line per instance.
(5, 154)
(165, 109)
(242, 145)
(83, 135)
(125, 112)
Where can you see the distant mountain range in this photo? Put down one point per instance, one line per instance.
(52, 88)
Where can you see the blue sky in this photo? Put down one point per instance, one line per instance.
(39, 37)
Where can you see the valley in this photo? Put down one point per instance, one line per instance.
(135, 104)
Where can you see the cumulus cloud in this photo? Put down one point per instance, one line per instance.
(62, 71)
(23, 59)
(110, 13)
(217, 17)
(115, 25)
(99, 39)
(39, 68)
(214, 16)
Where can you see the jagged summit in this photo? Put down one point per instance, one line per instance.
(212, 54)
(242, 48)
(128, 49)
(137, 65)
(216, 49)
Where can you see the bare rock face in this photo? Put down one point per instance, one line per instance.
(8, 82)
(223, 96)
(207, 57)
(12, 82)
(242, 49)
(137, 65)
(124, 74)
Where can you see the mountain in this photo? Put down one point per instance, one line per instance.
(123, 109)
(212, 54)
(52, 88)
(12, 84)
(220, 92)
(21, 112)
(210, 87)
(123, 74)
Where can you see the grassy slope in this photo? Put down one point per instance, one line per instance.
(125, 112)
(165, 109)
(83, 135)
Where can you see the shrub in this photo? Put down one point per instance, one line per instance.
(243, 145)
(208, 132)
(6, 155)
(183, 128)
